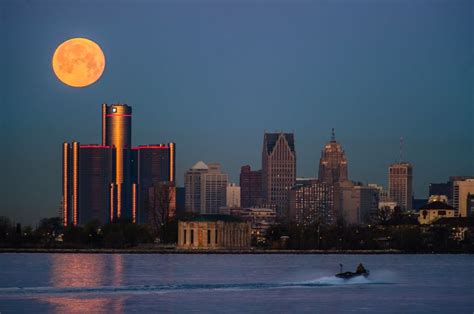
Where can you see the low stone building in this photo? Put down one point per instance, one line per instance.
(214, 231)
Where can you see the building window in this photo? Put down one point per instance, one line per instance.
(216, 236)
(192, 236)
(184, 236)
(208, 236)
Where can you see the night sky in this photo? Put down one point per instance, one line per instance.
(212, 77)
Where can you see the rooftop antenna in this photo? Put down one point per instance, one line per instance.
(333, 135)
(401, 149)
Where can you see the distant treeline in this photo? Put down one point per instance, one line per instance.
(398, 232)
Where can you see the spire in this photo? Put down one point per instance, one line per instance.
(401, 149)
(333, 136)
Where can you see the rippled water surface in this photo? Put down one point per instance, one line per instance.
(83, 283)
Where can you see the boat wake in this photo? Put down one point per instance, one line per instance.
(164, 288)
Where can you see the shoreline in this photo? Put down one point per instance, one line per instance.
(198, 251)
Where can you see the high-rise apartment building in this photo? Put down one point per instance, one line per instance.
(250, 187)
(106, 182)
(278, 169)
(333, 163)
(400, 184)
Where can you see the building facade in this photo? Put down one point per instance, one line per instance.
(233, 195)
(400, 184)
(192, 187)
(462, 191)
(250, 187)
(435, 210)
(312, 201)
(213, 189)
(152, 165)
(278, 170)
(333, 163)
(363, 204)
(214, 232)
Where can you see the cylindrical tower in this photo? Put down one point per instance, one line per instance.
(118, 128)
(66, 188)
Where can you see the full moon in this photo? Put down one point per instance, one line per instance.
(78, 62)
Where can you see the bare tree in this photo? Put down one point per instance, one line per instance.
(160, 205)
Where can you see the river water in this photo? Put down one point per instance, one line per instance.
(179, 283)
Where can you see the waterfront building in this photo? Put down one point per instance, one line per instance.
(435, 210)
(233, 195)
(278, 169)
(312, 201)
(250, 187)
(462, 191)
(333, 163)
(400, 184)
(214, 231)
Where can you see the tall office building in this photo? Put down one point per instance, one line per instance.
(152, 165)
(278, 169)
(361, 206)
(118, 134)
(462, 191)
(87, 175)
(106, 182)
(333, 163)
(311, 201)
(192, 187)
(250, 187)
(400, 184)
(205, 188)
(213, 189)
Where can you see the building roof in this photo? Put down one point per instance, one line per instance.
(272, 138)
(213, 217)
(436, 205)
(200, 165)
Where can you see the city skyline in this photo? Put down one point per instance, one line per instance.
(214, 86)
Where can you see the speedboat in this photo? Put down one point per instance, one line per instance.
(349, 274)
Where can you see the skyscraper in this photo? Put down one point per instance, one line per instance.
(400, 184)
(152, 165)
(205, 188)
(333, 162)
(192, 187)
(278, 169)
(107, 181)
(87, 175)
(250, 187)
(118, 129)
(213, 189)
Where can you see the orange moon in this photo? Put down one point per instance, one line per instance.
(78, 62)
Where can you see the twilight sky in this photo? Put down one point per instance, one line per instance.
(212, 76)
